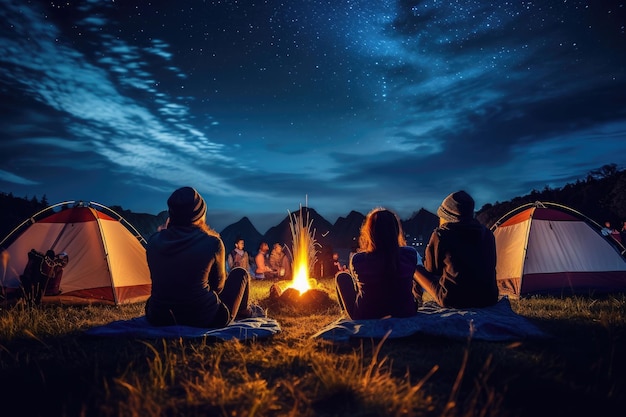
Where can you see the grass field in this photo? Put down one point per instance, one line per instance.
(49, 367)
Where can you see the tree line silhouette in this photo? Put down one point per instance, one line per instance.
(601, 196)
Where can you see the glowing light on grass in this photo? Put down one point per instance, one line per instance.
(304, 251)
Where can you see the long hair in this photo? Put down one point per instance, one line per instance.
(381, 232)
(202, 225)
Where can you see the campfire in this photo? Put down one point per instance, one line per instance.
(302, 290)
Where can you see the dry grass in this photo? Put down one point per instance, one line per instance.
(49, 367)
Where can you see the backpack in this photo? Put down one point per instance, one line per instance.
(39, 269)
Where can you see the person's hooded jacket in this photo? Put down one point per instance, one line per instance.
(462, 256)
(188, 271)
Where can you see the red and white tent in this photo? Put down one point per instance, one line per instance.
(547, 248)
(107, 262)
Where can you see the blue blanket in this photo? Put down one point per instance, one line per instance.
(495, 323)
(244, 329)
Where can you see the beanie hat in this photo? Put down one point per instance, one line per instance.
(457, 207)
(186, 206)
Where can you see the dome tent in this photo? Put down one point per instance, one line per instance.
(107, 257)
(548, 248)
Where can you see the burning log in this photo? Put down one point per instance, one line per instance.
(314, 298)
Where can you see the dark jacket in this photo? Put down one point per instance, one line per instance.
(381, 294)
(188, 271)
(461, 259)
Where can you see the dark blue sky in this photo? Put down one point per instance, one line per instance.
(342, 105)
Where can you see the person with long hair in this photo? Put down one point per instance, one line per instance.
(379, 282)
(187, 262)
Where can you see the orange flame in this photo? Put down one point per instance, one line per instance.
(303, 252)
(300, 279)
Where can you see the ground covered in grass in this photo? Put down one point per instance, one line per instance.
(49, 367)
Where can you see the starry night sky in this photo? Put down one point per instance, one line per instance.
(264, 106)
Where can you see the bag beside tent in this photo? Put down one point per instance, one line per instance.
(107, 263)
(547, 248)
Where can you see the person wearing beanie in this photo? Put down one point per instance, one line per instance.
(459, 268)
(185, 206)
(187, 262)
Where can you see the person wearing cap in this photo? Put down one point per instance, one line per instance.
(187, 262)
(459, 268)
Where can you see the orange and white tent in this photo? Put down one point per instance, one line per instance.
(107, 262)
(547, 248)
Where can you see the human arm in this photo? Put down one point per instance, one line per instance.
(430, 253)
(427, 275)
(217, 274)
(428, 282)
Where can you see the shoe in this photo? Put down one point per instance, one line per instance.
(252, 311)
(257, 311)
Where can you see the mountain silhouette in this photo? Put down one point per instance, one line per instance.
(601, 195)
(418, 228)
(281, 233)
(345, 232)
(341, 237)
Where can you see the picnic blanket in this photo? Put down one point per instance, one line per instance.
(244, 329)
(496, 323)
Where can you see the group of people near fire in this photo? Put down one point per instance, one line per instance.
(266, 265)
(195, 282)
